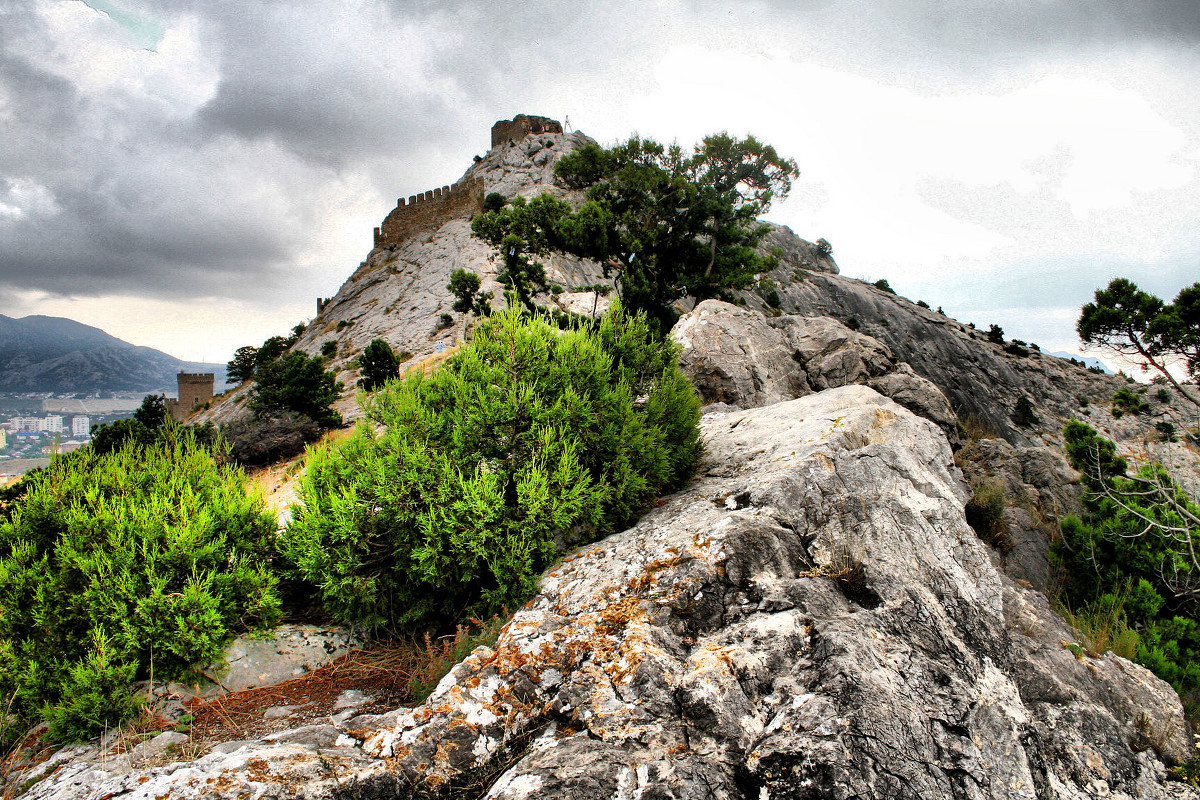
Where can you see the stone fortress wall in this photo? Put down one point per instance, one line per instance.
(429, 209)
(195, 389)
(513, 130)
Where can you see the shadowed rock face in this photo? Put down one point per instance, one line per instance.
(980, 380)
(811, 618)
(737, 357)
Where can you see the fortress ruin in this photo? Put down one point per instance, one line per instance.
(432, 208)
(195, 389)
(429, 208)
(514, 130)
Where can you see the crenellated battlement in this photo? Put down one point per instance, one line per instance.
(195, 389)
(427, 208)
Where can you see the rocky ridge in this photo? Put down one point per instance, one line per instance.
(399, 294)
(811, 618)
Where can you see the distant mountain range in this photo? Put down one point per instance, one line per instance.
(55, 354)
(1090, 363)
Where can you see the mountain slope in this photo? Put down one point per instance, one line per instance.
(55, 354)
(811, 618)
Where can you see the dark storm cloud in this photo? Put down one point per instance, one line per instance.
(38, 105)
(401, 76)
(1037, 23)
(128, 190)
(332, 88)
(986, 28)
(92, 201)
(136, 198)
(116, 191)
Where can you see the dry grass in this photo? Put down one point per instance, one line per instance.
(846, 569)
(1104, 628)
(974, 428)
(985, 512)
(435, 657)
(394, 674)
(431, 362)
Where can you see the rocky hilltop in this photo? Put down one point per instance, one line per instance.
(811, 618)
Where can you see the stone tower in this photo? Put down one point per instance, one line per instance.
(520, 126)
(195, 389)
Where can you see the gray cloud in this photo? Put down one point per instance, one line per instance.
(224, 198)
(988, 27)
(407, 74)
(334, 94)
(112, 192)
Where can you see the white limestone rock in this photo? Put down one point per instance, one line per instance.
(811, 618)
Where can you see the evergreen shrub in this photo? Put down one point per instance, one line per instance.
(296, 383)
(1129, 557)
(1017, 348)
(460, 487)
(121, 566)
(1024, 413)
(1125, 400)
(378, 364)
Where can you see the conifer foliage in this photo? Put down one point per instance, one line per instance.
(378, 365)
(121, 566)
(668, 223)
(1134, 323)
(462, 486)
(1132, 558)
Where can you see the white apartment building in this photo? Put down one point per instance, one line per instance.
(81, 426)
(48, 424)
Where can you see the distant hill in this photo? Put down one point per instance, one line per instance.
(1090, 363)
(55, 354)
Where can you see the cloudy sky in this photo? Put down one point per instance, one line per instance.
(191, 174)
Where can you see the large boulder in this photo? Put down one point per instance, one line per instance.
(734, 356)
(739, 357)
(814, 618)
(832, 354)
(253, 661)
(811, 618)
(920, 396)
